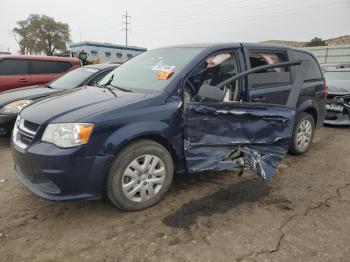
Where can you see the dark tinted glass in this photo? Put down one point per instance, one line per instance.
(46, 67)
(13, 67)
(314, 71)
(65, 65)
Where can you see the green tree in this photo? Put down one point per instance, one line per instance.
(39, 34)
(24, 36)
(315, 42)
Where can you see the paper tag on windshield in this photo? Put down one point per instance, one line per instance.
(165, 75)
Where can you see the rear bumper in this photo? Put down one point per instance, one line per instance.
(6, 123)
(60, 174)
(338, 118)
(334, 118)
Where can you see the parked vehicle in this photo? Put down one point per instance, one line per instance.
(331, 67)
(338, 101)
(23, 70)
(170, 110)
(12, 101)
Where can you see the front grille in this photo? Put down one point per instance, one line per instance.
(31, 126)
(27, 140)
(24, 132)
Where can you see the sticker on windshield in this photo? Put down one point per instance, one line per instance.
(163, 68)
(165, 75)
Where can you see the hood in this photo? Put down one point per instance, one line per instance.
(31, 92)
(77, 104)
(339, 87)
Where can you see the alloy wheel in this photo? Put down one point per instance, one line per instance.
(304, 134)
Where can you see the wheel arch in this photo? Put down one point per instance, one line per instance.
(313, 112)
(309, 107)
(158, 131)
(156, 137)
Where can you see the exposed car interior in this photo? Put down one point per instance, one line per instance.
(260, 59)
(213, 71)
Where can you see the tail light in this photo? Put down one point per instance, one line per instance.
(326, 88)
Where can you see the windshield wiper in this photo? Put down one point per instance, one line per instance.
(110, 90)
(121, 88)
(109, 81)
(108, 84)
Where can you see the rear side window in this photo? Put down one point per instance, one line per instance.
(46, 67)
(314, 72)
(274, 76)
(13, 67)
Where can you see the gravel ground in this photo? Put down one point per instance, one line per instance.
(302, 215)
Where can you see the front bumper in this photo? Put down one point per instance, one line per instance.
(341, 117)
(6, 123)
(60, 174)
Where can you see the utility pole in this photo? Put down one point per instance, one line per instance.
(126, 25)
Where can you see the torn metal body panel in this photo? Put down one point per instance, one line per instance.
(338, 102)
(338, 109)
(226, 135)
(221, 136)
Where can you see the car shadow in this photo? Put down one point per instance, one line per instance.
(337, 126)
(244, 191)
(5, 141)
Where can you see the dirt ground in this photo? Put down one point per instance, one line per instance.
(302, 215)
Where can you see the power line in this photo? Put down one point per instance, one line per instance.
(230, 8)
(196, 20)
(125, 21)
(186, 23)
(216, 10)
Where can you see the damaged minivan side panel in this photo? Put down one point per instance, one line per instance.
(222, 136)
(226, 135)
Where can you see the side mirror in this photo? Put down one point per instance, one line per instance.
(210, 93)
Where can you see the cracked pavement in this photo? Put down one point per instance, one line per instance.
(303, 214)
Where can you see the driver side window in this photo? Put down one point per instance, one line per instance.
(212, 71)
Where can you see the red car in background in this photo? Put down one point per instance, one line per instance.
(22, 70)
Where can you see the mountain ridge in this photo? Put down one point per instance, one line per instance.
(340, 40)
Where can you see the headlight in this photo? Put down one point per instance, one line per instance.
(68, 134)
(15, 128)
(15, 107)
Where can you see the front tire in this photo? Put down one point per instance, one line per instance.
(303, 134)
(140, 175)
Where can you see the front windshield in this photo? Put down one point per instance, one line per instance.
(73, 78)
(152, 71)
(345, 75)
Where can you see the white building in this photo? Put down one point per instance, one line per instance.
(106, 52)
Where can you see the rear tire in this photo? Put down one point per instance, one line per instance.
(140, 175)
(303, 134)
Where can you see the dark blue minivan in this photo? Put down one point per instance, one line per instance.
(176, 109)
